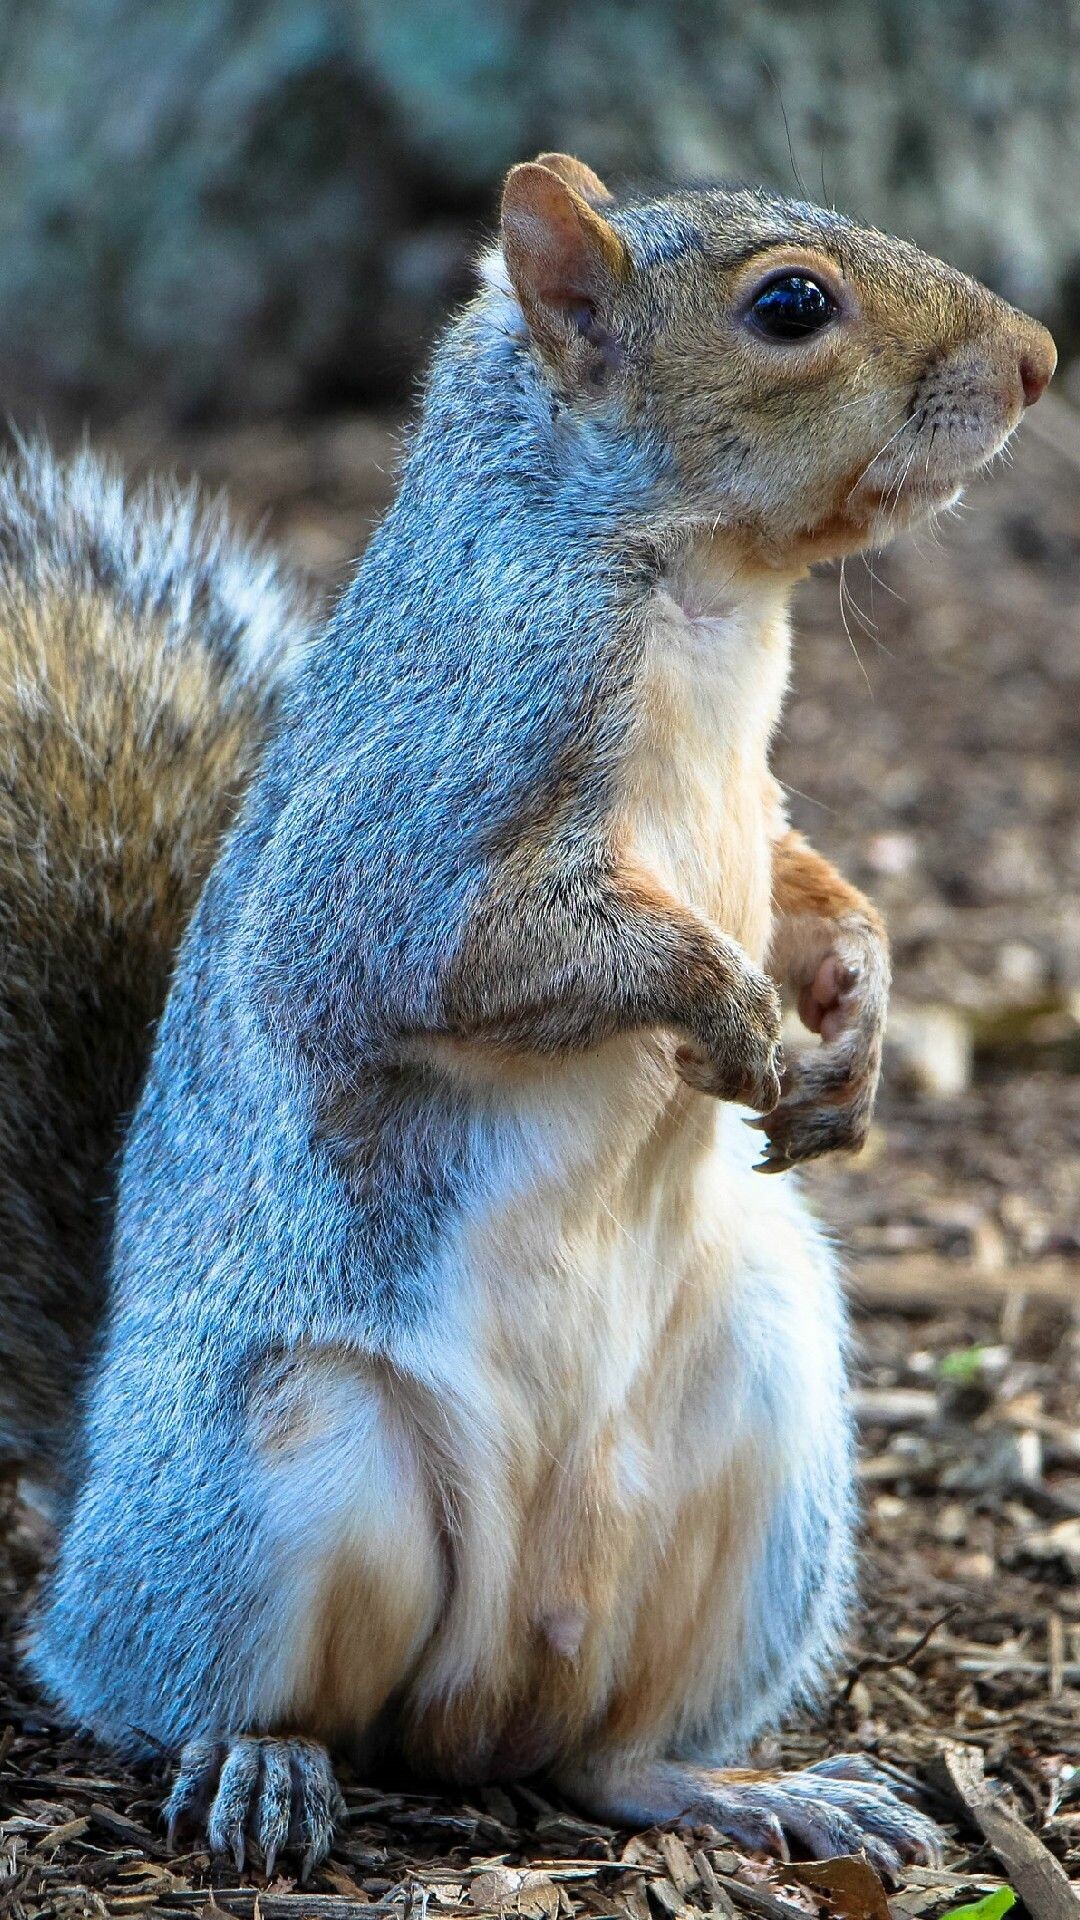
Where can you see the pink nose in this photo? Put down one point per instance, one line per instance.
(1036, 361)
(1034, 378)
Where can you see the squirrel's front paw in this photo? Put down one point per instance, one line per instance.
(736, 1055)
(827, 1096)
(278, 1792)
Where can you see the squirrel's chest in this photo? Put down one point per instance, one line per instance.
(691, 804)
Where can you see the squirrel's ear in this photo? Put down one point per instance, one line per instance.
(574, 173)
(563, 258)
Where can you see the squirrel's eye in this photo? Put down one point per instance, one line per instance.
(792, 307)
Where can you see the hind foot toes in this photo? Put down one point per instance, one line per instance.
(832, 1809)
(279, 1793)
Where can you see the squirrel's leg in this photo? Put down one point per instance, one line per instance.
(283, 1571)
(829, 945)
(744, 1603)
(349, 1512)
(559, 960)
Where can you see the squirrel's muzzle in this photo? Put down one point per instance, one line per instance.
(1021, 354)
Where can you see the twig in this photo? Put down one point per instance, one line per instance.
(1055, 1655)
(248, 1902)
(1030, 1867)
(894, 1406)
(879, 1663)
(756, 1900)
(927, 1280)
(1068, 1671)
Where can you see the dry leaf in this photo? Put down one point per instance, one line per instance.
(853, 1888)
(538, 1897)
(496, 1889)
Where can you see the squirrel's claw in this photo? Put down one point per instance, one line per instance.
(826, 1104)
(318, 1807)
(827, 1095)
(236, 1791)
(860, 1768)
(736, 1054)
(273, 1812)
(774, 1162)
(279, 1793)
(188, 1805)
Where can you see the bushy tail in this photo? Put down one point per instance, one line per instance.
(142, 649)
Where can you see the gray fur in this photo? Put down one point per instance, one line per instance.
(803, 1584)
(142, 650)
(161, 550)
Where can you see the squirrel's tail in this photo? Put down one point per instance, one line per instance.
(142, 647)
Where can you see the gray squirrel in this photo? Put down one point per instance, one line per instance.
(467, 1393)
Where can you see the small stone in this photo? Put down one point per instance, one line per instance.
(891, 853)
(888, 1506)
(951, 1524)
(1020, 966)
(860, 1701)
(979, 1568)
(929, 1050)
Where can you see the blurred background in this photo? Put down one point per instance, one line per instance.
(228, 208)
(228, 230)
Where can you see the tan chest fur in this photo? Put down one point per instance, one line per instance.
(690, 808)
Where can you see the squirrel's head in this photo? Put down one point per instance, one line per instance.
(806, 382)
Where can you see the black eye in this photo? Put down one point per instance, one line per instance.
(792, 307)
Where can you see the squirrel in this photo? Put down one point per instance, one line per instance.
(468, 1396)
(142, 651)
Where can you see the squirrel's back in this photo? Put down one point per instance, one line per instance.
(141, 649)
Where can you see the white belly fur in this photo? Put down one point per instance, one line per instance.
(641, 1318)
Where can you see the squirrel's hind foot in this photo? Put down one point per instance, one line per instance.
(841, 1806)
(844, 1805)
(279, 1792)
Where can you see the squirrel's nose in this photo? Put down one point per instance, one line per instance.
(1037, 362)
